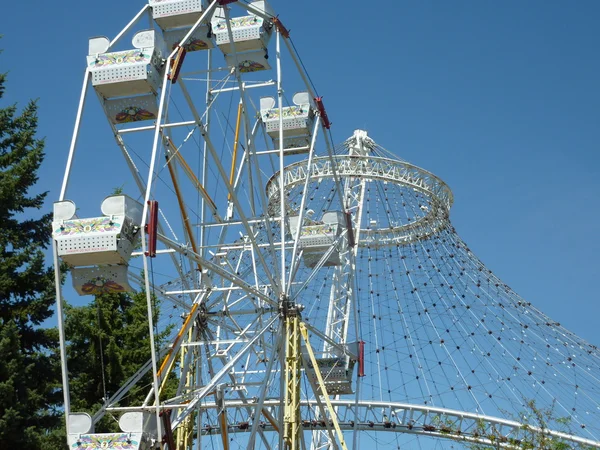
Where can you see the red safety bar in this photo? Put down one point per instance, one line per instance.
(176, 64)
(322, 112)
(225, 2)
(152, 228)
(350, 229)
(361, 358)
(282, 30)
(168, 436)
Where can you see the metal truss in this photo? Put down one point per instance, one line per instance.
(395, 417)
(430, 222)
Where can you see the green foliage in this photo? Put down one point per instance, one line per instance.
(108, 342)
(118, 190)
(29, 372)
(534, 433)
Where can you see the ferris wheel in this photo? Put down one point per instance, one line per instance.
(319, 295)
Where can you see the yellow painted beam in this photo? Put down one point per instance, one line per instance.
(271, 419)
(182, 208)
(167, 363)
(185, 431)
(313, 360)
(224, 430)
(235, 146)
(291, 414)
(192, 176)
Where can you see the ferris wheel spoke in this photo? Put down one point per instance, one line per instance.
(318, 266)
(226, 182)
(125, 388)
(160, 292)
(173, 153)
(274, 242)
(263, 200)
(239, 208)
(140, 184)
(224, 371)
(216, 269)
(250, 408)
(296, 259)
(259, 410)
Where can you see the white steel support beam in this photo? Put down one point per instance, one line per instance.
(147, 274)
(129, 26)
(342, 294)
(215, 268)
(282, 212)
(61, 335)
(230, 188)
(155, 147)
(251, 153)
(141, 186)
(203, 179)
(263, 394)
(296, 260)
(224, 371)
(376, 416)
(319, 264)
(125, 388)
(73, 145)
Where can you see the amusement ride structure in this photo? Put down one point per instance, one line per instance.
(319, 295)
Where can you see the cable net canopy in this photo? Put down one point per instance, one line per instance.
(316, 309)
(440, 329)
(372, 265)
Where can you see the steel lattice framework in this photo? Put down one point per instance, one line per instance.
(319, 295)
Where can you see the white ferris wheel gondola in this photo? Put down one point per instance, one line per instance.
(319, 295)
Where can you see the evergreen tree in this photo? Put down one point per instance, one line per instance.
(29, 371)
(108, 342)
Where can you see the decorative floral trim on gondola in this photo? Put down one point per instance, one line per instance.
(193, 46)
(134, 114)
(237, 22)
(101, 285)
(250, 66)
(317, 229)
(288, 111)
(109, 441)
(127, 57)
(82, 226)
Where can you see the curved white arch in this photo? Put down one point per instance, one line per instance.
(409, 418)
(384, 169)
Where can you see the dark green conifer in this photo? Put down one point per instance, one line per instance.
(29, 370)
(108, 342)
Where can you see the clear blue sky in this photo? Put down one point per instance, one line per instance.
(499, 99)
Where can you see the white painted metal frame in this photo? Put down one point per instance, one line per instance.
(350, 174)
